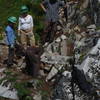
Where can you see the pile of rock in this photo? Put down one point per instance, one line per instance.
(81, 40)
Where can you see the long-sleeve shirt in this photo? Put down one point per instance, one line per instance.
(10, 35)
(25, 23)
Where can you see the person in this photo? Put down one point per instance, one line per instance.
(25, 28)
(10, 39)
(51, 8)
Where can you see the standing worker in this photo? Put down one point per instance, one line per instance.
(25, 28)
(10, 39)
(51, 8)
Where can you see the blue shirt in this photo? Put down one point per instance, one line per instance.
(10, 35)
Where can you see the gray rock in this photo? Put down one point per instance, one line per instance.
(52, 73)
(91, 26)
(63, 46)
(37, 97)
(83, 20)
(85, 4)
(7, 93)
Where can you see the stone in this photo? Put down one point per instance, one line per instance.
(86, 64)
(95, 48)
(37, 97)
(83, 20)
(63, 37)
(77, 28)
(85, 4)
(41, 72)
(91, 27)
(2, 70)
(7, 93)
(59, 28)
(67, 74)
(20, 62)
(2, 41)
(63, 46)
(58, 40)
(52, 73)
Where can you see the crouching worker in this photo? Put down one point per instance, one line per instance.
(25, 29)
(10, 39)
(32, 57)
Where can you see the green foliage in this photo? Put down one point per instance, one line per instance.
(1, 36)
(12, 8)
(8, 73)
(44, 95)
(23, 92)
(98, 28)
(7, 9)
(38, 83)
(28, 98)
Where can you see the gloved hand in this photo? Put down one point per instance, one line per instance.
(12, 45)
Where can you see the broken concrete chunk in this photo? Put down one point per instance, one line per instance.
(37, 97)
(7, 93)
(63, 37)
(67, 74)
(52, 73)
(91, 26)
(58, 40)
(95, 48)
(41, 72)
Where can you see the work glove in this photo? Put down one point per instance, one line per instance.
(12, 46)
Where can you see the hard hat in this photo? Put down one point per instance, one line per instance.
(24, 9)
(12, 19)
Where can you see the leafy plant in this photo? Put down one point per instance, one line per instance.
(44, 95)
(23, 92)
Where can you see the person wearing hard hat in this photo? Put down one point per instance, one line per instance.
(10, 39)
(25, 28)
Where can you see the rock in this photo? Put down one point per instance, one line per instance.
(41, 72)
(63, 46)
(85, 4)
(95, 50)
(7, 93)
(83, 20)
(2, 70)
(77, 28)
(2, 41)
(52, 73)
(86, 64)
(63, 37)
(23, 65)
(58, 40)
(20, 62)
(67, 74)
(91, 26)
(55, 59)
(59, 28)
(37, 97)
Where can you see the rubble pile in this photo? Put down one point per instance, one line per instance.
(72, 61)
(57, 64)
(80, 41)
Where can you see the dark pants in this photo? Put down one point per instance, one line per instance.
(10, 55)
(49, 32)
(32, 57)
